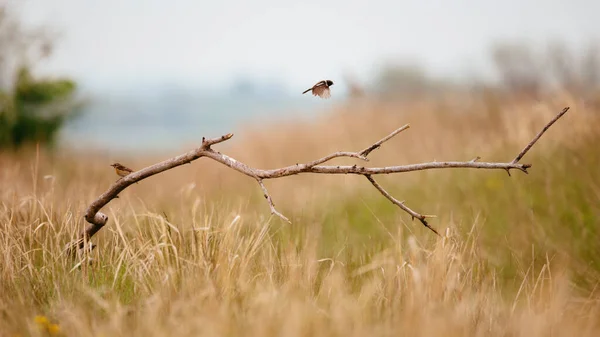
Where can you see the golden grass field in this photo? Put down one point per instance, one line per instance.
(195, 252)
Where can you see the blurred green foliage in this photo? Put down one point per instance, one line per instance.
(32, 109)
(35, 110)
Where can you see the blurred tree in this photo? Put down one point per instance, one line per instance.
(590, 68)
(32, 110)
(402, 80)
(530, 70)
(519, 68)
(406, 80)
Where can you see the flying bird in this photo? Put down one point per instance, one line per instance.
(321, 89)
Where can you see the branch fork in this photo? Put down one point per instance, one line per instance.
(96, 220)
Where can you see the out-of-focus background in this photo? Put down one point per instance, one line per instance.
(157, 75)
(195, 251)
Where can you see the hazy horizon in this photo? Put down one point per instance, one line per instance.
(163, 72)
(211, 45)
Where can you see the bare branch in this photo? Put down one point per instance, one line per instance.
(270, 201)
(368, 150)
(206, 143)
(337, 155)
(354, 169)
(404, 168)
(400, 204)
(535, 139)
(97, 220)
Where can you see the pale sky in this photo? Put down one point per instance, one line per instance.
(298, 42)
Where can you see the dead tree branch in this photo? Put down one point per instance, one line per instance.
(400, 204)
(270, 201)
(96, 220)
(375, 146)
(535, 139)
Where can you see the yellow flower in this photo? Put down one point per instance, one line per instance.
(44, 322)
(53, 329)
(41, 320)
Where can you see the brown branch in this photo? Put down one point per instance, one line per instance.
(368, 150)
(206, 143)
(400, 204)
(270, 201)
(97, 220)
(337, 155)
(354, 169)
(535, 139)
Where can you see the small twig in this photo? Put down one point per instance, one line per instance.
(368, 150)
(535, 139)
(400, 204)
(336, 155)
(206, 143)
(475, 159)
(270, 201)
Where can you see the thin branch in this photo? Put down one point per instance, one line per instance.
(368, 150)
(354, 169)
(535, 139)
(400, 204)
(405, 168)
(97, 220)
(206, 143)
(270, 201)
(336, 155)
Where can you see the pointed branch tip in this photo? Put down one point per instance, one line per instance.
(377, 144)
(535, 139)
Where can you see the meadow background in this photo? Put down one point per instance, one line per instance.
(194, 251)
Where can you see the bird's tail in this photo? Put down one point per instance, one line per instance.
(307, 90)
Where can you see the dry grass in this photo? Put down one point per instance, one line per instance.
(193, 251)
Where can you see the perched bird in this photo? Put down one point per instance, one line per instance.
(121, 170)
(321, 89)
